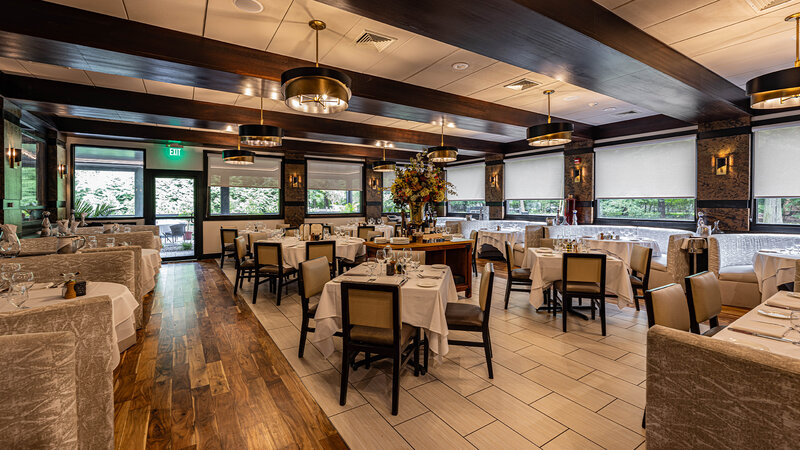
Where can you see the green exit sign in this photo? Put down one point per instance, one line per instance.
(174, 151)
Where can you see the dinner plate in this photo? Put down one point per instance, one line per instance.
(775, 314)
(439, 266)
(426, 283)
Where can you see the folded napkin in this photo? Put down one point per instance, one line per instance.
(763, 328)
(784, 302)
(544, 250)
(436, 274)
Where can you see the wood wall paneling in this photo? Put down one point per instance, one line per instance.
(583, 189)
(12, 178)
(495, 195)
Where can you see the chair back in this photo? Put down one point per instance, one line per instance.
(640, 260)
(533, 235)
(473, 236)
(315, 228)
(371, 235)
(703, 297)
(547, 243)
(327, 229)
(291, 231)
(268, 254)
(582, 269)
(485, 291)
(371, 305)
(178, 229)
(314, 273)
(255, 236)
(241, 249)
(666, 306)
(226, 235)
(509, 257)
(363, 231)
(797, 276)
(317, 249)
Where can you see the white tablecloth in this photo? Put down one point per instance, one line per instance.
(294, 250)
(498, 239)
(547, 268)
(122, 304)
(773, 269)
(387, 230)
(422, 307)
(151, 264)
(622, 248)
(771, 345)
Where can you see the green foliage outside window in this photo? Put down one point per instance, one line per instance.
(785, 211)
(646, 208)
(245, 201)
(106, 190)
(533, 207)
(465, 206)
(333, 202)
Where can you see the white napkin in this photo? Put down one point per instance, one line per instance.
(784, 302)
(766, 329)
(431, 274)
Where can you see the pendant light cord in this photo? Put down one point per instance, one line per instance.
(442, 131)
(316, 54)
(262, 106)
(797, 41)
(548, 107)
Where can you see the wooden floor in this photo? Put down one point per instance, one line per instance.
(205, 374)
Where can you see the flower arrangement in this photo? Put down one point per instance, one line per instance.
(420, 182)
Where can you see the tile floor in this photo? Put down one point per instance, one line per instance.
(550, 389)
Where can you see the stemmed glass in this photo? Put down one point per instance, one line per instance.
(91, 241)
(24, 279)
(7, 271)
(794, 318)
(380, 256)
(371, 265)
(110, 242)
(16, 296)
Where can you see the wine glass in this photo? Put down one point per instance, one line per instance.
(110, 242)
(24, 279)
(380, 256)
(794, 318)
(371, 265)
(388, 252)
(406, 254)
(9, 249)
(91, 241)
(17, 296)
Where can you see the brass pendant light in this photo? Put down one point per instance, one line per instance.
(239, 157)
(442, 153)
(550, 133)
(384, 165)
(316, 90)
(260, 135)
(779, 89)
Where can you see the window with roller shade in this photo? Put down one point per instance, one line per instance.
(334, 187)
(108, 181)
(534, 185)
(469, 186)
(650, 180)
(776, 186)
(244, 190)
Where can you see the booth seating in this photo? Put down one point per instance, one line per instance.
(730, 257)
(144, 239)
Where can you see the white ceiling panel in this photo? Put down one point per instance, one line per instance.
(351, 116)
(181, 15)
(701, 20)
(110, 81)
(168, 89)
(225, 22)
(107, 7)
(208, 95)
(645, 13)
(492, 75)
(413, 56)
(381, 121)
(441, 72)
(58, 73)
(347, 55)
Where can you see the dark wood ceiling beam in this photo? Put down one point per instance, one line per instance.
(75, 38)
(577, 41)
(61, 98)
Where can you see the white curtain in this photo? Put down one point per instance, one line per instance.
(264, 173)
(535, 177)
(334, 175)
(650, 169)
(776, 158)
(468, 181)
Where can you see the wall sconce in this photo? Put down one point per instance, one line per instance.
(295, 181)
(62, 170)
(14, 157)
(722, 164)
(576, 175)
(577, 161)
(493, 182)
(373, 183)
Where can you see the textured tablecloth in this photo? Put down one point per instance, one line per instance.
(294, 250)
(421, 306)
(547, 268)
(773, 269)
(151, 265)
(622, 248)
(387, 230)
(498, 239)
(123, 305)
(771, 345)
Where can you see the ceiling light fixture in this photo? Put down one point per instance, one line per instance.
(250, 6)
(460, 66)
(316, 90)
(779, 89)
(239, 157)
(550, 133)
(442, 153)
(384, 165)
(260, 135)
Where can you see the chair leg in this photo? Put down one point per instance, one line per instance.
(395, 383)
(280, 286)
(603, 315)
(255, 288)
(564, 308)
(644, 417)
(303, 335)
(237, 280)
(487, 349)
(508, 291)
(591, 303)
(416, 353)
(345, 374)
(636, 297)
(425, 355)
(222, 259)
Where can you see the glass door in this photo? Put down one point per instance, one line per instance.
(173, 207)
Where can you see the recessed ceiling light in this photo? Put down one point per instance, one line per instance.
(592, 105)
(248, 92)
(229, 128)
(460, 66)
(609, 109)
(451, 125)
(249, 6)
(570, 98)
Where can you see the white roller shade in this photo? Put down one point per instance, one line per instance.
(776, 159)
(655, 169)
(388, 179)
(264, 173)
(468, 181)
(334, 175)
(535, 177)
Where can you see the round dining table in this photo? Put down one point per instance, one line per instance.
(622, 248)
(773, 268)
(294, 250)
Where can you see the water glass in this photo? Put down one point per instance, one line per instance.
(110, 242)
(17, 296)
(794, 318)
(23, 279)
(371, 264)
(91, 241)
(380, 257)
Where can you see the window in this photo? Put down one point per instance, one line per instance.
(108, 181)
(776, 187)
(653, 180)
(469, 186)
(253, 190)
(534, 185)
(334, 187)
(32, 171)
(388, 203)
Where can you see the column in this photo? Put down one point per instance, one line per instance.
(11, 183)
(294, 195)
(373, 196)
(493, 187)
(56, 185)
(579, 177)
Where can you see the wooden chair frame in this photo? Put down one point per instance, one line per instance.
(311, 244)
(596, 300)
(694, 325)
(280, 277)
(486, 341)
(222, 244)
(645, 277)
(511, 281)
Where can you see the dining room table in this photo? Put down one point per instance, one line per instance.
(294, 249)
(774, 267)
(498, 238)
(622, 248)
(151, 265)
(123, 305)
(546, 267)
(424, 297)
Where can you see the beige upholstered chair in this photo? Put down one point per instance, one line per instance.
(315, 228)
(711, 393)
(245, 267)
(473, 236)
(533, 236)
(226, 237)
(326, 249)
(640, 266)
(363, 232)
(313, 275)
(39, 391)
(453, 225)
(278, 226)
(583, 276)
(268, 266)
(291, 231)
(252, 238)
(797, 276)
(516, 277)
(138, 292)
(667, 306)
(91, 321)
(547, 243)
(372, 323)
(705, 302)
(470, 317)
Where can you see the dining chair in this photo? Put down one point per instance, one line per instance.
(363, 231)
(226, 237)
(268, 266)
(518, 276)
(315, 228)
(291, 231)
(253, 237)
(583, 276)
(245, 268)
(640, 268)
(372, 323)
(312, 276)
(547, 243)
(176, 231)
(473, 236)
(278, 226)
(704, 301)
(327, 229)
(471, 317)
(315, 249)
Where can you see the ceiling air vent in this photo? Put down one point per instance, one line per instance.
(521, 85)
(374, 40)
(763, 5)
(626, 113)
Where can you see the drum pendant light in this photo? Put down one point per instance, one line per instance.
(260, 135)
(384, 165)
(316, 90)
(239, 157)
(550, 133)
(779, 89)
(442, 153)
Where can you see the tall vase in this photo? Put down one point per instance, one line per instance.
(417, 212)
